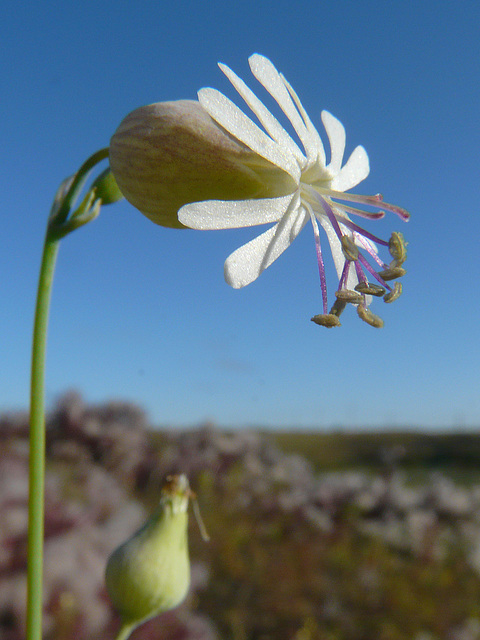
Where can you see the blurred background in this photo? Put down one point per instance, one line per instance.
(142, 314)
(314, 535)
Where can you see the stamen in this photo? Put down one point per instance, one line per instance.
(344, 276)
(338, 307)
(347, 295)
(360, 274)
(328, 320)
(398, 248)
(353, 242)
(370, 318)
(395, 294)
(371, 270)
(363, 232)
(392, 273)
(370, 289)
(370, 251)
(330, 215)
(350, 251)
(321, 265)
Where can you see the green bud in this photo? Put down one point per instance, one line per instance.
(169, 154)
(150, 573)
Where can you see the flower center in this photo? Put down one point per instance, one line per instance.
(317, 176)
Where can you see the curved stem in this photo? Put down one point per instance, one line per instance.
(37, 443)
(60, 211)
(77, 183)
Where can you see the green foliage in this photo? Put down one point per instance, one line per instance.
(276, 576)
(457, 454)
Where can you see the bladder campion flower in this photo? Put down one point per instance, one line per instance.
(213, 164)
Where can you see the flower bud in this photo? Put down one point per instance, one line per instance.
(150, 573)
(169, 154)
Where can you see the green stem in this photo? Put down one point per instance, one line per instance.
(37, 443)
(59, 217)
(125, 631)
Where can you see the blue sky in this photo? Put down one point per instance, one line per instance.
(143, 313)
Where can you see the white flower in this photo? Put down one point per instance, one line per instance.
(315, 193)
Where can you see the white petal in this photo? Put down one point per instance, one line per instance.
(233, 214)
(353, 171)
(336, 136)
(273, 82)
(231, 118)
(268, 120)
(308, 123)
(245, 264)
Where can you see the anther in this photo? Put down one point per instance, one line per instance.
(370, 318)
(371, 289)
(350, 250)
(347, 295)
(394, 294)
(392, 273)
(338, 307)
(326, 320)
(398, 248)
